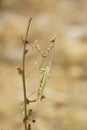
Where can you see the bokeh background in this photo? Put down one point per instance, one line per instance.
(65, 106)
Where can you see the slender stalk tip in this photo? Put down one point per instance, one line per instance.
(30, 19)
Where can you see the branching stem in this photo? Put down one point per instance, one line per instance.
(23, 75)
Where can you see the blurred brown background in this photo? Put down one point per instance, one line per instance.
(65, 106)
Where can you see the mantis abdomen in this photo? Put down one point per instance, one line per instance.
(43, 82)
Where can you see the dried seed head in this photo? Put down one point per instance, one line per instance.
(19, 70)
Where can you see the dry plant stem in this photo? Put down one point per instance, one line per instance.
(23, 75)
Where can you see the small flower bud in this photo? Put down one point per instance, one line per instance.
(19, 70)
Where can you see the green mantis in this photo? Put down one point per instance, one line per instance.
(43, 82)
(45, 71)
(44, 78)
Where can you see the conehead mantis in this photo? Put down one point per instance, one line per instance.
(45, 75)
(43, 70)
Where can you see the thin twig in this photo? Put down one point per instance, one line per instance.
(23, 74)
